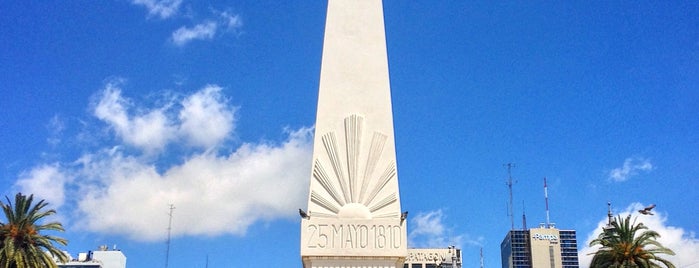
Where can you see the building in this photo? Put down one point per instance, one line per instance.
(103, 257)
(433, 258)
(544, 246)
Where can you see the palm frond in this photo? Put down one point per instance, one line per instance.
(21, 241)
(627, 244)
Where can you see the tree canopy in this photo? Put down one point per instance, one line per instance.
(22, 243)
(627, 244)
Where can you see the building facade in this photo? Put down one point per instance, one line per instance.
(545, 246)
(433, 258)
(103, 257)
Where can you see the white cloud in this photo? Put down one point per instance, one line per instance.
(215, 22)
(630, 168)
(225, 22)
(428, 231)
(202, 31)
(212, 194)
(683, 242)
(205, 119)
(55, 128)
(149, 130)
(44, 182)
(163, 8)
(118, 191)
(232, 22)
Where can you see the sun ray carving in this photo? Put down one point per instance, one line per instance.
(353, 137)
(377, 143)
(322, 177)
(330, 143)
(387, 175)
(359, 193)
(321, 214)
(388, 215)
(384, 202)
(316, 198)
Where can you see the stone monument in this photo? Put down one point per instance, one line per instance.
(354, 217)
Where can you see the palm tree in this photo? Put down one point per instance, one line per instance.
(21, 244)
(624, 245)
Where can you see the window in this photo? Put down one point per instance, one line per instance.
(551, 259)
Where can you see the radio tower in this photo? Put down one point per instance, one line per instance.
(169, 228)
(509, 182)
(481, 257)
(546, 197)
(524, 217)
(610, 216)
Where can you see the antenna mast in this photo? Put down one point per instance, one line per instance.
(509, 186)
(524, 218)
(546, 197)
(169, 228)
(481, 257)
(609, 213)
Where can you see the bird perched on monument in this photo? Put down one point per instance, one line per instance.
(646, 210)
(303, 214)
(403, 216)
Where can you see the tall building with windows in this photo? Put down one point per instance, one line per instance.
(569, 249)
(544, 246)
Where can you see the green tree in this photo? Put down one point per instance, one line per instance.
(21, 242)
(627, 244)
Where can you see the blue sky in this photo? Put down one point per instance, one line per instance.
(116, 109)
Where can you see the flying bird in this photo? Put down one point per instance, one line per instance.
(303, 214)
(647, 210)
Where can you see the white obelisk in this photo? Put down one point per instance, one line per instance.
(354, 217)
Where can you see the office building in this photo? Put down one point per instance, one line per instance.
(544, 246)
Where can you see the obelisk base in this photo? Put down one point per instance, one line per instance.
(352, 262)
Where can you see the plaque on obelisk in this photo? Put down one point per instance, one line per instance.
(353, 217)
